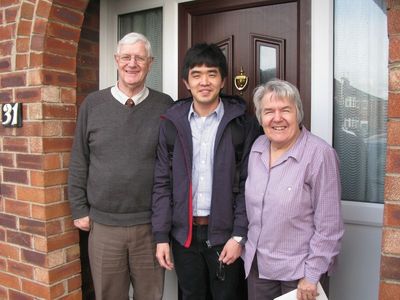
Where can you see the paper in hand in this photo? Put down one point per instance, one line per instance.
(292, 295)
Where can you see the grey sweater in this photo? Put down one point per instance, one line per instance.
(113, 156)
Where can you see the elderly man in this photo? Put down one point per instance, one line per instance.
(111, 176)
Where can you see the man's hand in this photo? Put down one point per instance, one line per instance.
(163, 255)
(231, 252)
(306, 290)
(83, 223)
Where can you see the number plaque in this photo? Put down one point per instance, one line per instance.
(11, 115)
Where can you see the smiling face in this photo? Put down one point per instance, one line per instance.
(133, 66)
(279, 121)
(205, 83)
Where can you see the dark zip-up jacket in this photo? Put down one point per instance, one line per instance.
(172, 205)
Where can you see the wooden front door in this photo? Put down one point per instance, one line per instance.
(265, 39)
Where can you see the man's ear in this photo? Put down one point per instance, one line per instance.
(186, 84)
(223, 83)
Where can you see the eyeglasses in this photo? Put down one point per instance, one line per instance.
(220, 273)
(126, 58)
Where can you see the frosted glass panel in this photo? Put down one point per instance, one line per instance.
(267, 67)
(360, 95)
(149, 23)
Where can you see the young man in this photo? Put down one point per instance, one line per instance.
(111, 176)
(199, 183)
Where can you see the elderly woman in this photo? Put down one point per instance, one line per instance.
(292, 200)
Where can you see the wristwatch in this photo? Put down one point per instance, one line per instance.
(241, 240)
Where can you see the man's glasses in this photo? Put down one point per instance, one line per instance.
(125, 58)
(220, 273)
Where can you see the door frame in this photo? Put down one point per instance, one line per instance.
(189, 9)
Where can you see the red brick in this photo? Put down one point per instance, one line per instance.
(393, 21)
(68, 95)
(390, 268)
(61, 47)
(73, 253)
(43, 9)
(5, 95)
(31, 129)
(59, 62)
(73, 296)
(76, 4)
(8, 221)
(54, 227)
(63, 32)
(7, 159)
(17, 208)
(28, 95)
(24, 28)
(13, 80)
(393, 161)
(389, 291)
(37, 41)
(393, 133)
(65, 271)
(7, 32)
(59, 78)
(390, 241)
(10, 281)
(394, 79)
(9, 251)
(394, 105)
(49, 178)
(11, 14)
(57, 144)
(38, 195)
(36, 60)
(7, 190)
(33, 257)
(40, 26)
(68, 128)
(49, 212)
(74, 283)
(4, 293)
(22, 44)
(63, 240)
(15, 144)
(2, 235)
(32, 226)
(27, 10)
(57, 111)
(65, 15)
(392, 188)
(43, 291)
(5, 48)
(19, 296)
(5, 64)
(19, 238)
(21, 61)
(15, 175)
(30, 161)
(394, 49)
(20, 269)
(52, 162)
(88, 74)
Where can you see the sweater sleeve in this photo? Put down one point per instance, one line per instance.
(162, 191)
(79, 166)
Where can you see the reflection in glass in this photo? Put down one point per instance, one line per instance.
(267, 67)
(360, 95)
(149, 23)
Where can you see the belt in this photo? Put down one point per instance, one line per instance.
(200, 220)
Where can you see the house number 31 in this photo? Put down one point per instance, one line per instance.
(11, 115)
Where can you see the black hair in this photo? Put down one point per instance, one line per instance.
(204, 54)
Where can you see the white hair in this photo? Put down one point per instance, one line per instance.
(132, 38)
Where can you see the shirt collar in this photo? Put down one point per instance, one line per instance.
(219, 111)
(121, 97)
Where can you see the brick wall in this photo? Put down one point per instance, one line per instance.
(39, 251)
(390, 259)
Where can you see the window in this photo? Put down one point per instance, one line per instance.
(360, 97)
(149, 23)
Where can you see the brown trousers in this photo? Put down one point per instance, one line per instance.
(123, 255)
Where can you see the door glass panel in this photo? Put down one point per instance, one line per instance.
(267, 67)
(149, 23)
(360, 97)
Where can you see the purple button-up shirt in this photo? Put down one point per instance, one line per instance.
(295, 222)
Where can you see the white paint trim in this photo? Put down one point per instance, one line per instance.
(322, 69)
